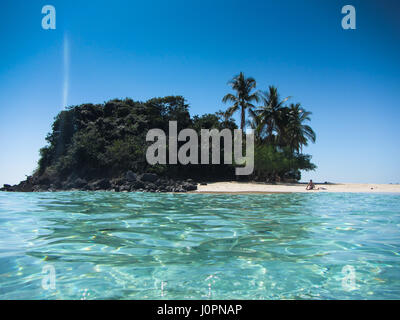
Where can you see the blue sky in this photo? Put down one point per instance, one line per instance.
(349, 79)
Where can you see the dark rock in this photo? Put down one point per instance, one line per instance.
(57, 184)
(23, 186)
(137, 185)
(44, 180)
(151, 186)
(149, 177)
(102, 184)
(8, 188)
(130, 181)
(38, 188)
(131, 176)
(79, 183)
(179, 189)
(124, 187)
(118, 182)
(189, 186)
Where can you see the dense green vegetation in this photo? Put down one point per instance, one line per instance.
(107, 140)
(280, 130)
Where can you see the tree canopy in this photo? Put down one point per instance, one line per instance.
(107, 140)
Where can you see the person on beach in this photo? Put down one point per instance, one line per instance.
(311, 186)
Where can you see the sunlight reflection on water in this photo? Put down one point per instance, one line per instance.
(124, 245)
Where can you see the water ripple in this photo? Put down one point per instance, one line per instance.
(107, 245)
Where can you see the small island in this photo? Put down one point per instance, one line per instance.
(103, 146)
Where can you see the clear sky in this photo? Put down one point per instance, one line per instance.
(100, 50)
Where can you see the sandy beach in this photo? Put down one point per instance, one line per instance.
(255, 187)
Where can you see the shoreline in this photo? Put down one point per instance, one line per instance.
(234, 187)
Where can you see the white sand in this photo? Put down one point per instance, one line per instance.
(255, 187)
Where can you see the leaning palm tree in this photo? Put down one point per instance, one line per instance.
(243, 97)
(271, 112)
(298, 134)
(256, 123)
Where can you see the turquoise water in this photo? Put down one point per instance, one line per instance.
(194, 246)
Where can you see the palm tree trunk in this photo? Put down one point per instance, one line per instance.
(269, 130)
(243, 119)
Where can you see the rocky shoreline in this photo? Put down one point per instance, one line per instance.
(130, 182)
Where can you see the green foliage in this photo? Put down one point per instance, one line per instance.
(106, 140)
(280, 131)
(213, 121)
(272, 164)
(243, 97)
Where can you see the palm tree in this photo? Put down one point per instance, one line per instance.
(257, 124)
(297, 133)
(243, 98)
(271, 112)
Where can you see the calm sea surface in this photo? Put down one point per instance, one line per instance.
(195, 246)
